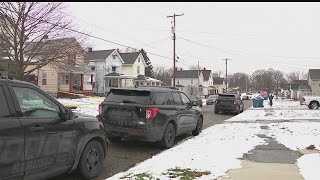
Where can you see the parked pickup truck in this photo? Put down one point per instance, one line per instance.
(311, 101)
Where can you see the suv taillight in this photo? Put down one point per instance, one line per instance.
(151, 113)
(236, 102)
(100, 108)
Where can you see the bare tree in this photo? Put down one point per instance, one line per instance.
(192, 90)
(217, 74)
(163, 75)
(30, 31)
(295, 75)
(240, 80)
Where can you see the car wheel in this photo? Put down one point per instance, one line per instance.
(242, 110)
(198, 127)
(314, 105)
(91, 161)
(216, 112)
(168, 137)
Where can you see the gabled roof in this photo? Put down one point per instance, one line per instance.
(305, 87)
(100, 54)
(206, 74)
(300, 82)
(314, 74)
(218, 80)
(129, 58)
(53, 44)
(187, 74)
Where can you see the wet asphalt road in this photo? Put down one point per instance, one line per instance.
(124, 155)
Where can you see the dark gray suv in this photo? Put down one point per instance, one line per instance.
(40, 138)
(229, 103)
(150, 114)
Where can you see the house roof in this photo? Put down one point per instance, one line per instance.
(301, 82)
(307, 87)
(314, 73)
(206, 74)
(100, 54)
(295, 86)
(187, 74)
(218, 80)
(52, 44)
(129, 58)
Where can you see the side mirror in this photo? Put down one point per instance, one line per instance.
(68, 114)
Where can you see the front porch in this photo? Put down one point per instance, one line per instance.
(117, 80)
(77, 81)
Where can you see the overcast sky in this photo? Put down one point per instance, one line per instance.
(283, 36)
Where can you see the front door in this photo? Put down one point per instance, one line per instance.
(50, 141)
(11, 139)
(191, 118)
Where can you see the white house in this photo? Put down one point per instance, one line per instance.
(186, 80)
(107, 66)
(207, 82)
(115, 69)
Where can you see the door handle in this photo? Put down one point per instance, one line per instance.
(36, 128)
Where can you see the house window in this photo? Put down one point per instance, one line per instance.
(44, 78)
(114, 56)
(191, 81)
(66, 80)
(72, 59)
(114, 69)
(93, 68)
(138, 59)
(138, 69)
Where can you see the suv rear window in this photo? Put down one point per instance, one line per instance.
(128, 96)
(226, 96)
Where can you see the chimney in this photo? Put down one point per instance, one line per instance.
(176, 69)
(180, 69)
(204, 68)
(89, 49)
(118, 50)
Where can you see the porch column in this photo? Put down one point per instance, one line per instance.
(91, 81)
(81, 82)
(70, 82)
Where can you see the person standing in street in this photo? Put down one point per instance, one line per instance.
(271, 99)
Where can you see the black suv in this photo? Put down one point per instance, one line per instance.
(150, 114)
(40, 138)
(229, 103)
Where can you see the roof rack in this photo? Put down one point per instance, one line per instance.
(170, 87)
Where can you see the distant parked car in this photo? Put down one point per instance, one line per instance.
(229, 103)
(244, 96)
(196, 99)
(211, 99)
(311, 101)
(149, 114)
(250, 96)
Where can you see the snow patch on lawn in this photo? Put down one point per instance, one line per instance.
(309, 166)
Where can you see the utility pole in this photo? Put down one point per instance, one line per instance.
(226, 59)
(174, 45)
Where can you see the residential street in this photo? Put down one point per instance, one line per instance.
(125, 155)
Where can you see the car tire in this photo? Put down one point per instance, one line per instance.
(216, 112)
(241, 110)
(169, 136)
(91, 160)
(314, 105)
(199, 126)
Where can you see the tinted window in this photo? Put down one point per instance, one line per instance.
(170, 100)
(4, 109)
(226, 96)
(128, 96)
(185, 99)
(160, 98)
(176, 99)
(34, 104)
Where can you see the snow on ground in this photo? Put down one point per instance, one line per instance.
(296, 136)
(216, 150)
(309, 166)
(282, 104)
(87, 106)
(253, 115)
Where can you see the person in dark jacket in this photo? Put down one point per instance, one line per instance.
(270, 99)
